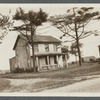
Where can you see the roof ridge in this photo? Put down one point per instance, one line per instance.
(40, 39)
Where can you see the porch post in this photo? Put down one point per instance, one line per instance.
(57, 60)
(37, 63)
(48, 62)
(60, 61)
(66, 60)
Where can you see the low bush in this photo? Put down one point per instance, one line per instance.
(98, 60)
(22, 70)
(29, 70)
(18, 70)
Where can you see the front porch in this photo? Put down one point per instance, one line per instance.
(52, 61)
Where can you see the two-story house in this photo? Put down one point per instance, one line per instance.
(47, 51)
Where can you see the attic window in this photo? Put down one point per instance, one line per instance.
(47, 47)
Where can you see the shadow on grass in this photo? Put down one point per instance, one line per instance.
(4, 84)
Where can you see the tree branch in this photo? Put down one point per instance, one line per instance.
(82, 31)
(67, 33)
(85, 36)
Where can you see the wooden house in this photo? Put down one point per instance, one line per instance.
(47, 51)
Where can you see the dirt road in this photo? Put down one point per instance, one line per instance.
(89, 86)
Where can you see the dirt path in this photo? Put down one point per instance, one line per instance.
(89, 86)
(22, 85)
(39, 84)
(17, 82)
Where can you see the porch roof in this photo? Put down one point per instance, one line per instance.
(49, 54)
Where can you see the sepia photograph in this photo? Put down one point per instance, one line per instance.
(50, 49)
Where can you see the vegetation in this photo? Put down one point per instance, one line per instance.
(40, 86)
(30, 21)
(49, 80)
(73, 24)
(21, 70)
(73, 49)
(5, 23)
(71, 72)
(65, 49)
(4, 84)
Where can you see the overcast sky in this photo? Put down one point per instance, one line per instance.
(90, 43)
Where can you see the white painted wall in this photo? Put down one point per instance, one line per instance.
(59, 49)
(41, 48)
(60, 61)
(51, 48)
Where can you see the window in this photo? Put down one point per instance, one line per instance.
(47, 47)
(55, 47)
(36, 48)
(55, 60)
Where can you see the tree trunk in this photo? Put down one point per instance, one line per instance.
(79, 53)
(78, 48)
(32, 44)
(76, 58)
(33, 58)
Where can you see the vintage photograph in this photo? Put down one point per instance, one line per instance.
(50, 48)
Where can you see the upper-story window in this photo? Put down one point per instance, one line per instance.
(55, 47)
(47, 47)
(36, 49)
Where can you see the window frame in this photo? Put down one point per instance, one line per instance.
(55, 47)
(36, 48)
(47, 47)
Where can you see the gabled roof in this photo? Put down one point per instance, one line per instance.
(39, 39)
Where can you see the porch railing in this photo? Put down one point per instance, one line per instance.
(48, 67)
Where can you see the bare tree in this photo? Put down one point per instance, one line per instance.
(5, 23)
(31, 20)
(73, 24)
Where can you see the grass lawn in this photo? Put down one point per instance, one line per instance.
(55, 78)
(4, 84)
(71, 72)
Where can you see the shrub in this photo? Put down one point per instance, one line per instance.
(31, 69)
(22, 70)
(18, 70)
(98, 60)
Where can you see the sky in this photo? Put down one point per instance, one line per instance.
(89, 44)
